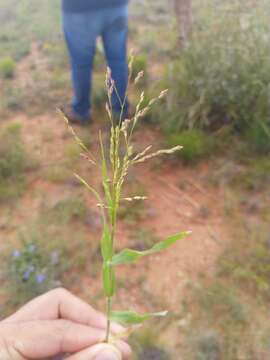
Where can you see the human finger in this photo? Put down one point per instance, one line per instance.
(42, 339)
(61, 304)
(103, 352)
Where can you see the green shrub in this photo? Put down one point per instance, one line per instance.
(258, 136)
(223, 75)
(14, 45)
(139, 64)
(7, 68)
(12, 154)
(99, 97)
(13, 162)
(196, 144)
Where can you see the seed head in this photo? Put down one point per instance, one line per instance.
(139, 77)
(135, 198)
(163, 94)
(158, 153)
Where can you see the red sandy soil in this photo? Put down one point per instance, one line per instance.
(170, 208)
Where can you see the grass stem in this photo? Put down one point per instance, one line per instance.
(108, 329)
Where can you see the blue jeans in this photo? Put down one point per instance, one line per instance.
(81, 31)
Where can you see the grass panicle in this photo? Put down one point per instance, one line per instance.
(114, 164)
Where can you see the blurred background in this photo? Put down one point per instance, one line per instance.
(215, 60)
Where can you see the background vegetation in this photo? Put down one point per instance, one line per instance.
(217, 107)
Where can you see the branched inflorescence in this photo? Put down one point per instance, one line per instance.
(114, 166)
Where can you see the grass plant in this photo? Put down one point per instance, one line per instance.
(114, 163)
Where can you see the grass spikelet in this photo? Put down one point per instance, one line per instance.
(139, 77)
(135, 198)
(158, 153)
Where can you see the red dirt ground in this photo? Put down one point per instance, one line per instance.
(178, 199)
(170, 209)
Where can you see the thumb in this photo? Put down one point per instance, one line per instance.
(98, 352)
(108, 352)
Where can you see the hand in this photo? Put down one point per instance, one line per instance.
(58, 323)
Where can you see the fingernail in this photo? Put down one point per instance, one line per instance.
(108, 355)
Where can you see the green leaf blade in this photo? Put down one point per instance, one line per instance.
(108, 280)
(163, 245)
(132, 318)
(125, 257)
(129, 256)
(106, 244)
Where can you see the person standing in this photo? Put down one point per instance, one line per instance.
(83, 22)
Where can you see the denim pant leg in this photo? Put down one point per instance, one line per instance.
(81, 42)
(114, 35)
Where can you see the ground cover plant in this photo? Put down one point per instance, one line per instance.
(228, 310)
(222, 77)
(14, 161)
(196, 144)
(42, 256)
(31, 270)
(114, 167)
(7, 68)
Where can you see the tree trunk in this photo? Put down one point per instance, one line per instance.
(183, 10)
